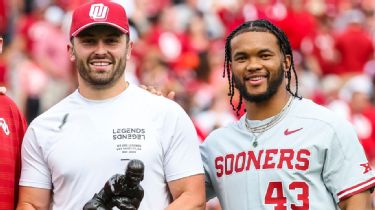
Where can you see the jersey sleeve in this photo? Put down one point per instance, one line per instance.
(180, 145)
(34, 172)
(210, 192)
(346, 170)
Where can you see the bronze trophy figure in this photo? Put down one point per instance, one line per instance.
(122, 191)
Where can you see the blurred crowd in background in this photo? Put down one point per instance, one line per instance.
(179, 46)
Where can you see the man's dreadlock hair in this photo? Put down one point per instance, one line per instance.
(283, 42)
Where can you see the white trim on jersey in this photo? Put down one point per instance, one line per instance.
(356, 189)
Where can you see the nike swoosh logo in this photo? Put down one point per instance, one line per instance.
(288, 132)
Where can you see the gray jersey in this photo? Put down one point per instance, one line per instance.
(311, 159)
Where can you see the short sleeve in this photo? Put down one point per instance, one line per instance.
(346, 170)
(210, 192)
(34, 172)
(180, 145)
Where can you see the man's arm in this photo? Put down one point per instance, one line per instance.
(360, 201)
(32, 198)
(188, 193)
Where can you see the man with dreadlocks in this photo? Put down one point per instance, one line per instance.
(286, 152)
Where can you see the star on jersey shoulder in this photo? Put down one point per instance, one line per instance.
(367, 167)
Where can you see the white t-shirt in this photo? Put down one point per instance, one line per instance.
(310, 159)
(77, 145)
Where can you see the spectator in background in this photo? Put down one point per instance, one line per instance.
(299, 25)
(354, 45)
(39, 67)
(230, 14)
(323, 46)
(354, 105)
(49, 53)
(329, 89)
(4, 16)
(165, 37)
(217, 115)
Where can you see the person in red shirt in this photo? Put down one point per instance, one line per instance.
(355, 105)
(12, 128)
(354, 46)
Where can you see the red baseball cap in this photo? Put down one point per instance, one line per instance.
(99, 12)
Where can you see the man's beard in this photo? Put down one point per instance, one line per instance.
(104, 80)
(272, 87)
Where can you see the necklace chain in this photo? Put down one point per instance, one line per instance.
(259, 130)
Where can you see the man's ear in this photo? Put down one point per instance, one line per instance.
(71, 53)
(129, 51)
(287, 62)
(1, 45)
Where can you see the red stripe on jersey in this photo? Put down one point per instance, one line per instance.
(342, 195)
(10, 147)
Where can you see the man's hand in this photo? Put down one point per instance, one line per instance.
(156, 91)
(3, 90)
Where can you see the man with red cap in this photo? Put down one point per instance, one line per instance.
(71, 150)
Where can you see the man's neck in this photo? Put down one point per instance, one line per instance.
(93, 93)
(269, 108)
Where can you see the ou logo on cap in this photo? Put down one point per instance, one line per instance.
(98, 12)
(4, 126)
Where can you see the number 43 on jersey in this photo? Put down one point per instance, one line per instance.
(275, 195)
